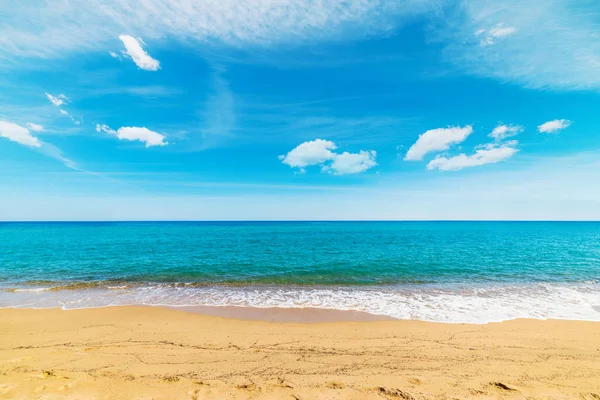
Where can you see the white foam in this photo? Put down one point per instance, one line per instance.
(459, 304)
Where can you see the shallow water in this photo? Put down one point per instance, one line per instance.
(439, 271)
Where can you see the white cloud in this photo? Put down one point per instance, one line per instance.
(57, 100)
(554, 125)
(144, 135)
(18, 134)
(353, 163)
(491, 35)
(320, 152)
(35, 127)
(436, 140)
(489, 155)
(502, 132)
(63, 112)
(310, 153)
(114, 55)
(139, 56)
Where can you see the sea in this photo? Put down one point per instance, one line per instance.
(455, 272)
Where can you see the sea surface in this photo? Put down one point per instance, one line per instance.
(471, 272)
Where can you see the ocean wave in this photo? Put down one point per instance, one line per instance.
(442, 303)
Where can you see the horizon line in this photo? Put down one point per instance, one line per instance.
(298, 220)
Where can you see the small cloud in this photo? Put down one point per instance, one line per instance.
(436, 140)
(63, 112)
(491, 35)
(490, 155)
(502, 132)
(114, 55)
(320, 152)
(35, 127)
(309, 153)
(139, 56)
(501, 31)
(144, 135)
(57, 100)
(353, 163)
(18, 134)
(554, 125)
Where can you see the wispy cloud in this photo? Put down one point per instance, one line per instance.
(44, 29)
(537, 43)
(490, 36)
(57, 100)
(35, 127)
(54, 152)
(502, 132)
(218, 115)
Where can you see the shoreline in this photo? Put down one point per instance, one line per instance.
(302, 315)
(435, 303)
(129, 352)
(308, 315)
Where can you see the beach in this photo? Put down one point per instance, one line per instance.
(160, 353)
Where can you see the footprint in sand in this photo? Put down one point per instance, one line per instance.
(394, 393)
(335, 385)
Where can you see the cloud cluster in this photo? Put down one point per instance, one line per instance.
(436, 140)
(135, 51)
(321, 152)
(554, 126)
(134, 133)
(441, 139)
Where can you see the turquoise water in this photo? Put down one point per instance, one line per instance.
(442, 271)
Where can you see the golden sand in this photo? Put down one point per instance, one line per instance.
(155, 353)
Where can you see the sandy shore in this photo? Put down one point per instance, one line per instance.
(154, 353)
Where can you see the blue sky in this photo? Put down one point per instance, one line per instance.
(281, 109)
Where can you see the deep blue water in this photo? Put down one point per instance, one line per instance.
(372, 266)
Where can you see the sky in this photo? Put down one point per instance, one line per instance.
(299, 110)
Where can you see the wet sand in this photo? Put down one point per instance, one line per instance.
(274, 314)
(157, 353)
